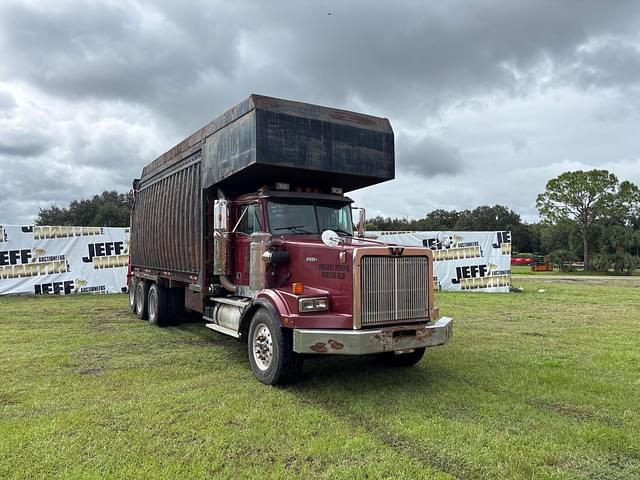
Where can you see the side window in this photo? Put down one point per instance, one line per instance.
(250, 222)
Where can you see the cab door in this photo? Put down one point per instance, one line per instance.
(250, 216)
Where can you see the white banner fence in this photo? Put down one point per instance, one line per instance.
(469, 261)
(63, 260)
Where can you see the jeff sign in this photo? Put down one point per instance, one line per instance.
(468, 261)
(63, 260)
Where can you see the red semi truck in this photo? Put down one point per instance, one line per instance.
(246, 222)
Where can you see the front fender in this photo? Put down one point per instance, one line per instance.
(270, 301)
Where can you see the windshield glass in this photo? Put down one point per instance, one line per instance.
(290, 216)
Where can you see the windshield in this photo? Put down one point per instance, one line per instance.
(290, 216)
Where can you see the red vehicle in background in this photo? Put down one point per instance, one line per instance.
(528, 260)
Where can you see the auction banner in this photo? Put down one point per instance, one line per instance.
(63, 260)
(463, 261)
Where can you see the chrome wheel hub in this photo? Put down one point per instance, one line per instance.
(262, 346)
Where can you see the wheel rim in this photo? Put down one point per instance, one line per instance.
(153, 301)
(139, 299)
(262, 346)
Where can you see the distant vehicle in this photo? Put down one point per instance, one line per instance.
(246, 222)
(522, 261)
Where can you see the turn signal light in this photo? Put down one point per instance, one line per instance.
(298, 288)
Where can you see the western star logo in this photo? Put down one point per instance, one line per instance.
(107, 254)
(396, 251)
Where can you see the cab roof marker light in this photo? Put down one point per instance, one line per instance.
(282, 186)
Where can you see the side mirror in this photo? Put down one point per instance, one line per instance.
(362, 220)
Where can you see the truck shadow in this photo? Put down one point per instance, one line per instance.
(375, 400)
(364, 372)
(349, 372)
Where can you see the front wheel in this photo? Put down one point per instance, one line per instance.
(403, 359)
(271, 354)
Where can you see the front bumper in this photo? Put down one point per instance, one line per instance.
(363, 342)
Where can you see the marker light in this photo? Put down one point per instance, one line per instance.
(298, 288)
(282, 186)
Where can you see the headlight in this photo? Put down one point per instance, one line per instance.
(313, 304)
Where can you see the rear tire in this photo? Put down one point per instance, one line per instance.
(157, 305)
(133, 283)
(270, 348)
(142, 290)
(403, 359)
(175, 301)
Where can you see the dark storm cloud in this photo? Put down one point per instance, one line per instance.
(23, 144)
(101, 88)
(610, 62)
(7, 102)
(401, 58)
(428, 157)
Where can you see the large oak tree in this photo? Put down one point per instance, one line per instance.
(586, 198)
(109, 209)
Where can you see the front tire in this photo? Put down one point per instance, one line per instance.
(403, 359)
(271, 354)
(142, 290)
(158, 306)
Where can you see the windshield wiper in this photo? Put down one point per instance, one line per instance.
(296, 228)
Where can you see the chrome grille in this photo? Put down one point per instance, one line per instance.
(393, 289)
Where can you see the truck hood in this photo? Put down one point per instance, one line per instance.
(315, 240)
(328, 269)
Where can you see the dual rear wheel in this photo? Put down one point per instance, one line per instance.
(151, 301)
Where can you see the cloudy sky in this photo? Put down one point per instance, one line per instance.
(488, 99)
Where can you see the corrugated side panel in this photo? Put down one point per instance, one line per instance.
(166, 221)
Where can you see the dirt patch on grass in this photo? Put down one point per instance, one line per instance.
(401, 444)
(90, 363)
(7, 401)
(577, 413)
(534, 334)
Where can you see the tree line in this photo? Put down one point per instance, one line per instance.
(588, 215)
(109, 209)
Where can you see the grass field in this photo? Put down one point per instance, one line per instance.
(526, 270)
(533, 385)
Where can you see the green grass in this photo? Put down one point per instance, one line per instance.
(526, 270)
(533, 385)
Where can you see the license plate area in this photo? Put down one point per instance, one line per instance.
(411, 333)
